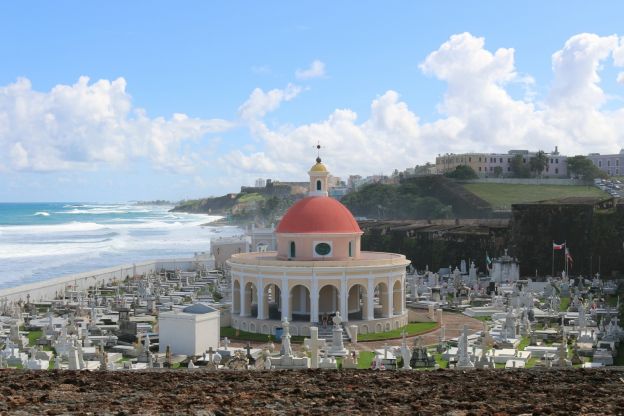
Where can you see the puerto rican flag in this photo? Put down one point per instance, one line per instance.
(558, 246)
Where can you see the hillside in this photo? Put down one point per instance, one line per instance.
(241, 207)
(501, 195)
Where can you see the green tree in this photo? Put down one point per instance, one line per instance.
(584, 168)
(538, 162)
(519, 168)
(462, 172)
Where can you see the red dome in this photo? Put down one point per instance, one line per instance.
(318, 214)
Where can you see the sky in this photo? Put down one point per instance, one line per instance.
(110, 101)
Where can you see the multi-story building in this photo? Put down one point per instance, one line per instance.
(485, 164)
(612, 165)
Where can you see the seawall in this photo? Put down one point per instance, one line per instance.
(50, 289)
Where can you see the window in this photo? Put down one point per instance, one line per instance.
(523, 160)
(508, 169)
(501, 160)
(608, 163)
(479, 159)
(600, 163)
(556, 160)
(292, 249)
(318, 185)
(350, 248)
(617, 162)
(551, 161)
(556, 170)
(469, 159)
(479, 168)
(323, 249)
(508, 160)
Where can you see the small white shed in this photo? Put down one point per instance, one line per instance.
(189, 331)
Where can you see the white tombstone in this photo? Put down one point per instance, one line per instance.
(464, 357)
(337, 348)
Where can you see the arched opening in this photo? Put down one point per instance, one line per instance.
(350, 248)
(236, 297)
(318, 185)
(300, 303)
(357, 303)
(292, 249)
(329, 300)
(251, 300)
(382, 306)
(262, 247)
(272, 302)
(397, 298)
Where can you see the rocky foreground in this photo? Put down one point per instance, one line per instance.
(478, 392)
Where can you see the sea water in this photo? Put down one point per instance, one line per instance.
(40, 241)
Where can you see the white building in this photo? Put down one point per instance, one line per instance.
(190, 331)
(318, 270)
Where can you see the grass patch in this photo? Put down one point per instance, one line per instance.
(413, 328)
(252, 197)
(532, 362)
(365, 359)
(565, 303)
(502, 195)
(524, 342)
(33, 336)
(438, 359)
(483, 318)
(233, 333)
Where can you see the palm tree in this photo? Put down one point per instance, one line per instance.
(538, 162)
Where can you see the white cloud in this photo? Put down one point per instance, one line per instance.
(260, 103)
(620, 78)
(80, 126)
(316, 70)
(477, 113)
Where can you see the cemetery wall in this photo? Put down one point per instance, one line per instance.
(594, 237)
(49, 289)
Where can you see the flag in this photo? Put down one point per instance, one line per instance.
(568, 256)
(558, 246)
(487, 259)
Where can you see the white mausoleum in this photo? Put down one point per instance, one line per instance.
(318, 270)
(189, 331)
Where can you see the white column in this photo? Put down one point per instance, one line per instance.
(370, 299)
(243, 311)
(260, 283)
(344, 298)
(314, 300)
(390, 298)
(403, 305)
(285, 299)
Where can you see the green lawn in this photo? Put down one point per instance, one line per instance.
(483, 318)
(413, 328)
(365, 358)
(33, 336)
(524, 342)
(501, 195)
(565, 303)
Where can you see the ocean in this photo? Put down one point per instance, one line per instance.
(40, 241)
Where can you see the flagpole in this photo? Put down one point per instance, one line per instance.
(553, 259)
(565, 258)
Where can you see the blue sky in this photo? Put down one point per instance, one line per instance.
(60, 141)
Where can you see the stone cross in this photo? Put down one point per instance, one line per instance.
(314, 357)
(226, 343)
(210, 353)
